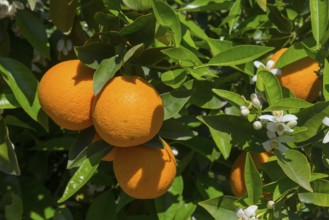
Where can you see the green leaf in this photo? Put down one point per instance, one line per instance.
(93, 54)
(204, 146)
(311, 118)
(14, 210)
(62, 13)
(288, 104)
(173, 129)
(174, 78)
(318, 199)
(319, 18)
(168, 18)
(166, 206)
(222, 141)
(32, 28)
(185, 211)
(222, 207)
(268, 83)
(292, 54)
(32, 4)
(55, 144)
(103, 207)
(63, 213)
(24, 86)
(8, 159)
(106, 70)
(262, 4)
(86, 170)
(234, 13)
(325, 85)
(185, 57)
(231, 97)
(174, 101)
(8, 101)
(14, 121)
(135, 51)
(252, 180)
(295, 165)
(238, 55)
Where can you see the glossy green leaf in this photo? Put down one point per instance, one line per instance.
(295, 165)
(86, 170)
(32, 28)
(106, 70)
(239, 54)
(135, 51)
(184, 56)
(319, 18)
(234, 13)
(325, 85)
(14, 210)
(288, 104)
(262, 4)
(8, 159)
(62, 13)
(166, 205)
(24, 86)
(205, 5)
(103, 207)
(268, 83)
(32, 4)
(14, 121)
(311, 118)
(222, 140)
(174, 78)
(185, 211)
(292, 54)
(252, 180)
(174, 101)
(222, 207)
(231, 97)
(204, 146)
(8, 101)
(168, 18)
(173, 129)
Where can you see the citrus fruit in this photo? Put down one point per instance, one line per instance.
(66, 94)
(128, 111)
(300, 77)
(144, 172)
(238, 185)
(108, 157)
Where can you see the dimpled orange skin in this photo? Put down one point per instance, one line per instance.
(300, 77)
(66, 94)
(238, 185)
(144, 172)
(128, 112)
(108, 157)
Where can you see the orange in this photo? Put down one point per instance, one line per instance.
(300, 77)
(238, 185)
(128, 111)
(66, 94)
(110, 156)
(144, 172)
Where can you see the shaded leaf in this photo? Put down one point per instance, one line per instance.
(174, 101)
(62, 13)
(252, 180)
(222, 207)
(231, 97)
(103, 207)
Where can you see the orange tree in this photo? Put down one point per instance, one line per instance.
(198, 86)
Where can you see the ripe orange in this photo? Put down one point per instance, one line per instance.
(66, 94)
(128, 111)
(300, 77)
(144, 172)
(238, 185)
(110, 156)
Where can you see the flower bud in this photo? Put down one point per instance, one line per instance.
(257, 125)
(292, 123)
(255, 101)
(244, 110)
(270, 204)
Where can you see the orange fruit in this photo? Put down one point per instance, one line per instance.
(238, 185)
(128, 111)
(300, 77)
(108, 157)
(144, 172)
(66, 94)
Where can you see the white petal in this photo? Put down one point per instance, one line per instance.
(292, 124)
(289, 117)
(257, 64)
(276, 71)
(270, 64)
(271, 134)
(251, 210)
(282, 148)
(271, 126)
(326, 138)
(254, 78)
(267, 117)
(240, 213)
(267, 145)
(325, 121)
(60, 45)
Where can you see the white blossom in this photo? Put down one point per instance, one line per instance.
(269, 67)
(9, 10)
(64, 46)
(275, 142)
(248, 213)
(277, 122)
(325, 121)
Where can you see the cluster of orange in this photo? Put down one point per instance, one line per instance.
(127, 113)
